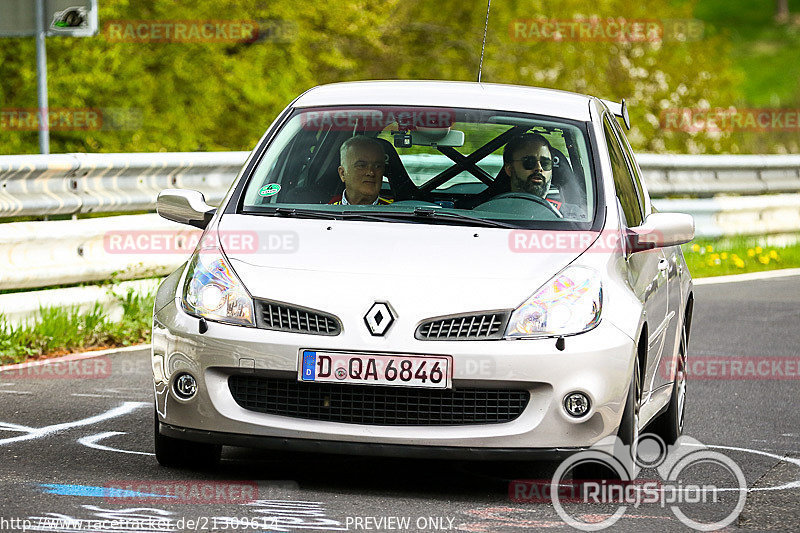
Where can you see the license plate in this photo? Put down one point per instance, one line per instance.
(430, 371)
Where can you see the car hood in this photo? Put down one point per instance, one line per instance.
(432, 269)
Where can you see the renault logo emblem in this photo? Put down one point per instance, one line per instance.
(379, 318)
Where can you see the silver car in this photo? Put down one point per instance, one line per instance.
(426, 269)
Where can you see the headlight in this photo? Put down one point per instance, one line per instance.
(569, 303)
(213, 291)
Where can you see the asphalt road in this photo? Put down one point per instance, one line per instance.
(65, 443)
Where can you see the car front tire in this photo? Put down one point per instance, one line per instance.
(177, 453)
(628, 433)
(669, 425)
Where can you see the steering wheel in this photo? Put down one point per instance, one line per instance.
(530, 197)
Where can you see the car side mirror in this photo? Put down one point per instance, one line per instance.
(185, 206)
(660, 230)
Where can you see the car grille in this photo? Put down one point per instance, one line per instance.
(375, 404)
(283, 317)
(464, 327)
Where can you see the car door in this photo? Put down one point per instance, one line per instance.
(646, 270)
(670, 269)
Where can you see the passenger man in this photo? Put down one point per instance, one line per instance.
(363, 163)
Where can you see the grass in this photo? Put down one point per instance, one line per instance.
(57, 331)
(764, 50)
(79, 216)
(739, 255)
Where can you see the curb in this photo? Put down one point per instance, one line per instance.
(752, 276)
(139, 349)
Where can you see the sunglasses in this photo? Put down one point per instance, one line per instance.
(529, 162)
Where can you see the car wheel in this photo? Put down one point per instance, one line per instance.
(172, 452)
(629, 425)
(669, 425)
(628, 433)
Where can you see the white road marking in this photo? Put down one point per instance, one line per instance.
(752, 276)
(7, 426)
(15, 392)
(91, 442)
(37, 433)
(784, 458)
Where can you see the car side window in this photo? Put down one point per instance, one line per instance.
(623, 180)
(637, 177)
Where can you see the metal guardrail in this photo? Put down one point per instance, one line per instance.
(60, 184)
(707, 175)
(738, 215)
(43, 254)
(86, 183)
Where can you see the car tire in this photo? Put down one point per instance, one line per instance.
(669, 424)
(178, 453)
(628, 433)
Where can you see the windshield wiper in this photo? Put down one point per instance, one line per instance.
(379, 216)
(428, 213)
(293, 212)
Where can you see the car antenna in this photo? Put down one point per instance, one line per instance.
(483, 46)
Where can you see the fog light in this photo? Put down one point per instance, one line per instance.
(576, 404)
(185, 386)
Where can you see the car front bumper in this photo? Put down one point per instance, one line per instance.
(598, 363)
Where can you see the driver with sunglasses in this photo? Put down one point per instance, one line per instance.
(528, 161)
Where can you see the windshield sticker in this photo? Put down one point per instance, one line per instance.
(270, 190)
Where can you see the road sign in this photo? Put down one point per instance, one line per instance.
(76, 18)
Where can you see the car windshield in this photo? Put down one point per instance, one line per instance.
(427, 165)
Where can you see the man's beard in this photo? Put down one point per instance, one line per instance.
(539, 189)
